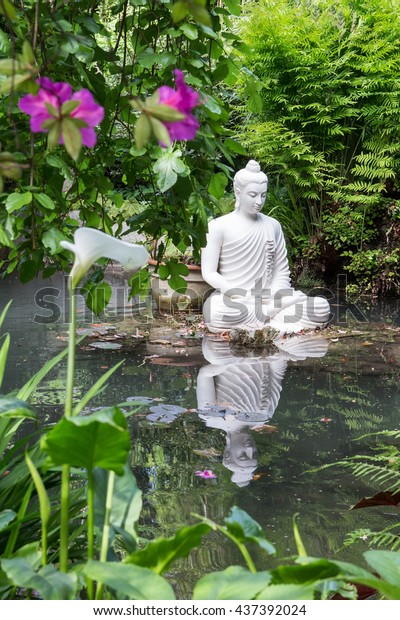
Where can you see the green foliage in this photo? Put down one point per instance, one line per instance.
(122, 53)
(328, 128)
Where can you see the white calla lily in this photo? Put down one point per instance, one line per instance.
(91, 244)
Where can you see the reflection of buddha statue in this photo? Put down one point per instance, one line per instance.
(245, 260)
(236, 394)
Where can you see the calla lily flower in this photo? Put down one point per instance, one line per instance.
(91, 244)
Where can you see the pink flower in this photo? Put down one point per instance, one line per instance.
(55, 94)
(183, 99)
(206, 474)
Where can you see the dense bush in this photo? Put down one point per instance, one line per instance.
(328, 124)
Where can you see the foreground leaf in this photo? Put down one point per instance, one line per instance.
(234, 583)
(242, 527)
(97, 440)
(48, 581)
(129, 581)
(161, 553)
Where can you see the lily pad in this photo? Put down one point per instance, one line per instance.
(165, 413)
(106, 345)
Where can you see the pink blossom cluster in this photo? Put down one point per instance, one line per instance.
(183, 99)
(55, 94)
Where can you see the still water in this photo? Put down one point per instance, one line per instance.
(263, 425)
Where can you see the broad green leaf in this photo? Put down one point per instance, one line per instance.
(16, 201)
(5, 237)
(8, 9)
(290, 592)
(388, 590)
(5, 46)
(160, 553)
(125, 509)
(234, 583)
(6, 517)
(15, 82)
(190, 31)
(57, 162)
(217, 185)
(386, 564)
(242, 527)
(179, 11)
(97, 440)
(11, 407)
(27, 56)
(235, 146)
(129, 581)
(53, 137)
(299, 543)
(305, 573)
(51, 240)
(98, 297)
(234, 6)
(168, 167)
(45, 201)
(48, 581)
(72, 137)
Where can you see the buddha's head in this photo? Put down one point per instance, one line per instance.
(250, 186)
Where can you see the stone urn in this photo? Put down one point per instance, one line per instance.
(192, 299)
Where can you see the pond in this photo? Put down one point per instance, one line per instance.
(314, 404)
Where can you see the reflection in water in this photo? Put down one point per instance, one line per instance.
(236, 394)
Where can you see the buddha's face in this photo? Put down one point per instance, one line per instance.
(251, 198)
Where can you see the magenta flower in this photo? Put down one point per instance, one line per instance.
(183, 99)
(47, 105)
(206, 474)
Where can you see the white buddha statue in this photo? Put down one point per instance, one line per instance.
(245, 261)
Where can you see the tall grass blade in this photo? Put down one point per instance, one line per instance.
(95, 389)
(3, 356)
(3, 314)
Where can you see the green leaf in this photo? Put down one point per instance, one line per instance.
(242, 527)
(15, 82)
(49, 582)
(234, 6)
(235, 146)
(299, 543)
(287, 593)
(3, 356)
(142, 131)
(11, 407)
(161, 553)
(179, 11)
(6, 517)
(125, 508)
(68, 107)
(217, 185)
(160, 131)
(16, 201)
(5, 47)
(97, 440)
(4, 312)
(72, 137)
(386, 563)
(234, 583)
(44, 502)
(51, 240)
(53, 138)
(129, 581)
(168, 167)
(27, 55)
(190, 31)
(164, 112)
(57, 162)
(306, 573)
(8, 9)
(45, 201)
(5, 239)
(98, 297)
(31, 385)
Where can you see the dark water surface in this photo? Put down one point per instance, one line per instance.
(272, 421)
